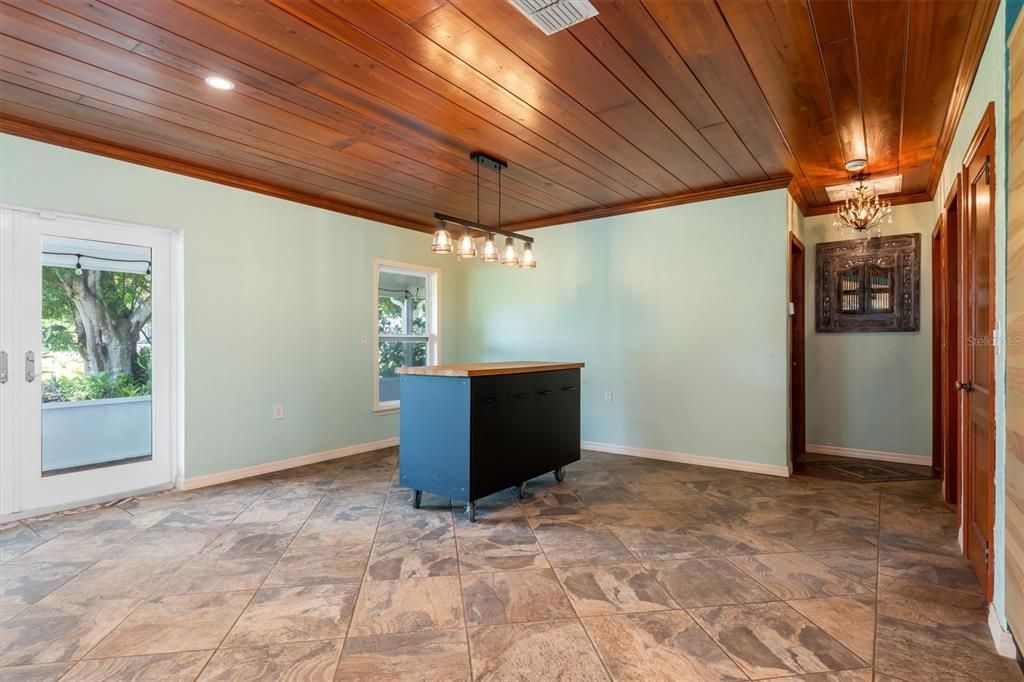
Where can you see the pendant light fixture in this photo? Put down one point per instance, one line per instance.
(528, 260)
(862, 212)
(442, 239)
(489, 251)
(509, 256)
(465, 247)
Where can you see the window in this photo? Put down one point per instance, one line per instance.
(869, 285)
(866, 289)
(406, 331)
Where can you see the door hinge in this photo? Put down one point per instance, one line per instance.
(986, 554)
(988, 169)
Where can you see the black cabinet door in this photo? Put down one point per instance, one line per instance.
(527, 426)
(490, 435)
(567, 436)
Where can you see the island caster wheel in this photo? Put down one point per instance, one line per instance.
(521, 490)
(417, 498)
(560, 474)
(471, 511)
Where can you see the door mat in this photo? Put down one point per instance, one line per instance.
(866, 472)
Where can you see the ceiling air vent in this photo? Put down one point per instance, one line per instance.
(552, 16)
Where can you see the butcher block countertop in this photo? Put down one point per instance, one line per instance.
(483, 369)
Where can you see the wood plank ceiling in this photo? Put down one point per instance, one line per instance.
(372, 107)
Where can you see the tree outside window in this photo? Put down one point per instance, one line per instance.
(96, 334)
(405, 328)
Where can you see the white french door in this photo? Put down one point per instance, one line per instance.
(87, 361)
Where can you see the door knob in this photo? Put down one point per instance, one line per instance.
(963, 386)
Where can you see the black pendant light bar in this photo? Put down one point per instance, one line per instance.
(496, 165)
(465, 248)
(480, 227)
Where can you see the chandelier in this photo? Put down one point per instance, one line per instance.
(465, 246)
(863, 211)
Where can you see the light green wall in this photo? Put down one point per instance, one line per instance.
(679, 312)
(870, 391)
(277, 298)
(990, 85)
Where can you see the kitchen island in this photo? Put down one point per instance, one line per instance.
(467, 431)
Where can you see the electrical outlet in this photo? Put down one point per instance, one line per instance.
(279, 411)
(366, 340)
(608, 396)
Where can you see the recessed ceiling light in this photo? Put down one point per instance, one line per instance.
(854, 165)
(219, 82)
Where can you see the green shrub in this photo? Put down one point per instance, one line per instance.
(93, 387)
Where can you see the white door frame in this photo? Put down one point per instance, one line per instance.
(168, 277)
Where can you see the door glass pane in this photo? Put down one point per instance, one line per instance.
(96, 364)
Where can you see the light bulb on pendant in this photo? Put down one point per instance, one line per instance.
(442, 239)
(489, 251)
(78, 265)
(528, 259)
(467, 248)
(510, 256)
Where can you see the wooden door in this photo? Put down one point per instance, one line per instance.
(938, 423)
(950, 358)
(977, 350)
(796, 348)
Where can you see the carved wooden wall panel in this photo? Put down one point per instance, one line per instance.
(868, 285)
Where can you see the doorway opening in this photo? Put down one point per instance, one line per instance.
(91, 354)
(946, 346)
(797, 399)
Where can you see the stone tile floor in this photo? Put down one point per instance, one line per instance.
(630, 569)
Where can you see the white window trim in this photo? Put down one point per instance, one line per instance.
(433, 322)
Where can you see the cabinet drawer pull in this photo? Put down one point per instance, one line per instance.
(568, 388)
(545, 392)
(523, 395)
(492, 399)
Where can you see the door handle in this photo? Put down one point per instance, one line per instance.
(964, 386)
(3, 367)
(30, 366)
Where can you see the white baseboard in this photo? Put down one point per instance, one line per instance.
(1000, 637)
(280, 464)
(878, 455)
(685, 458)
